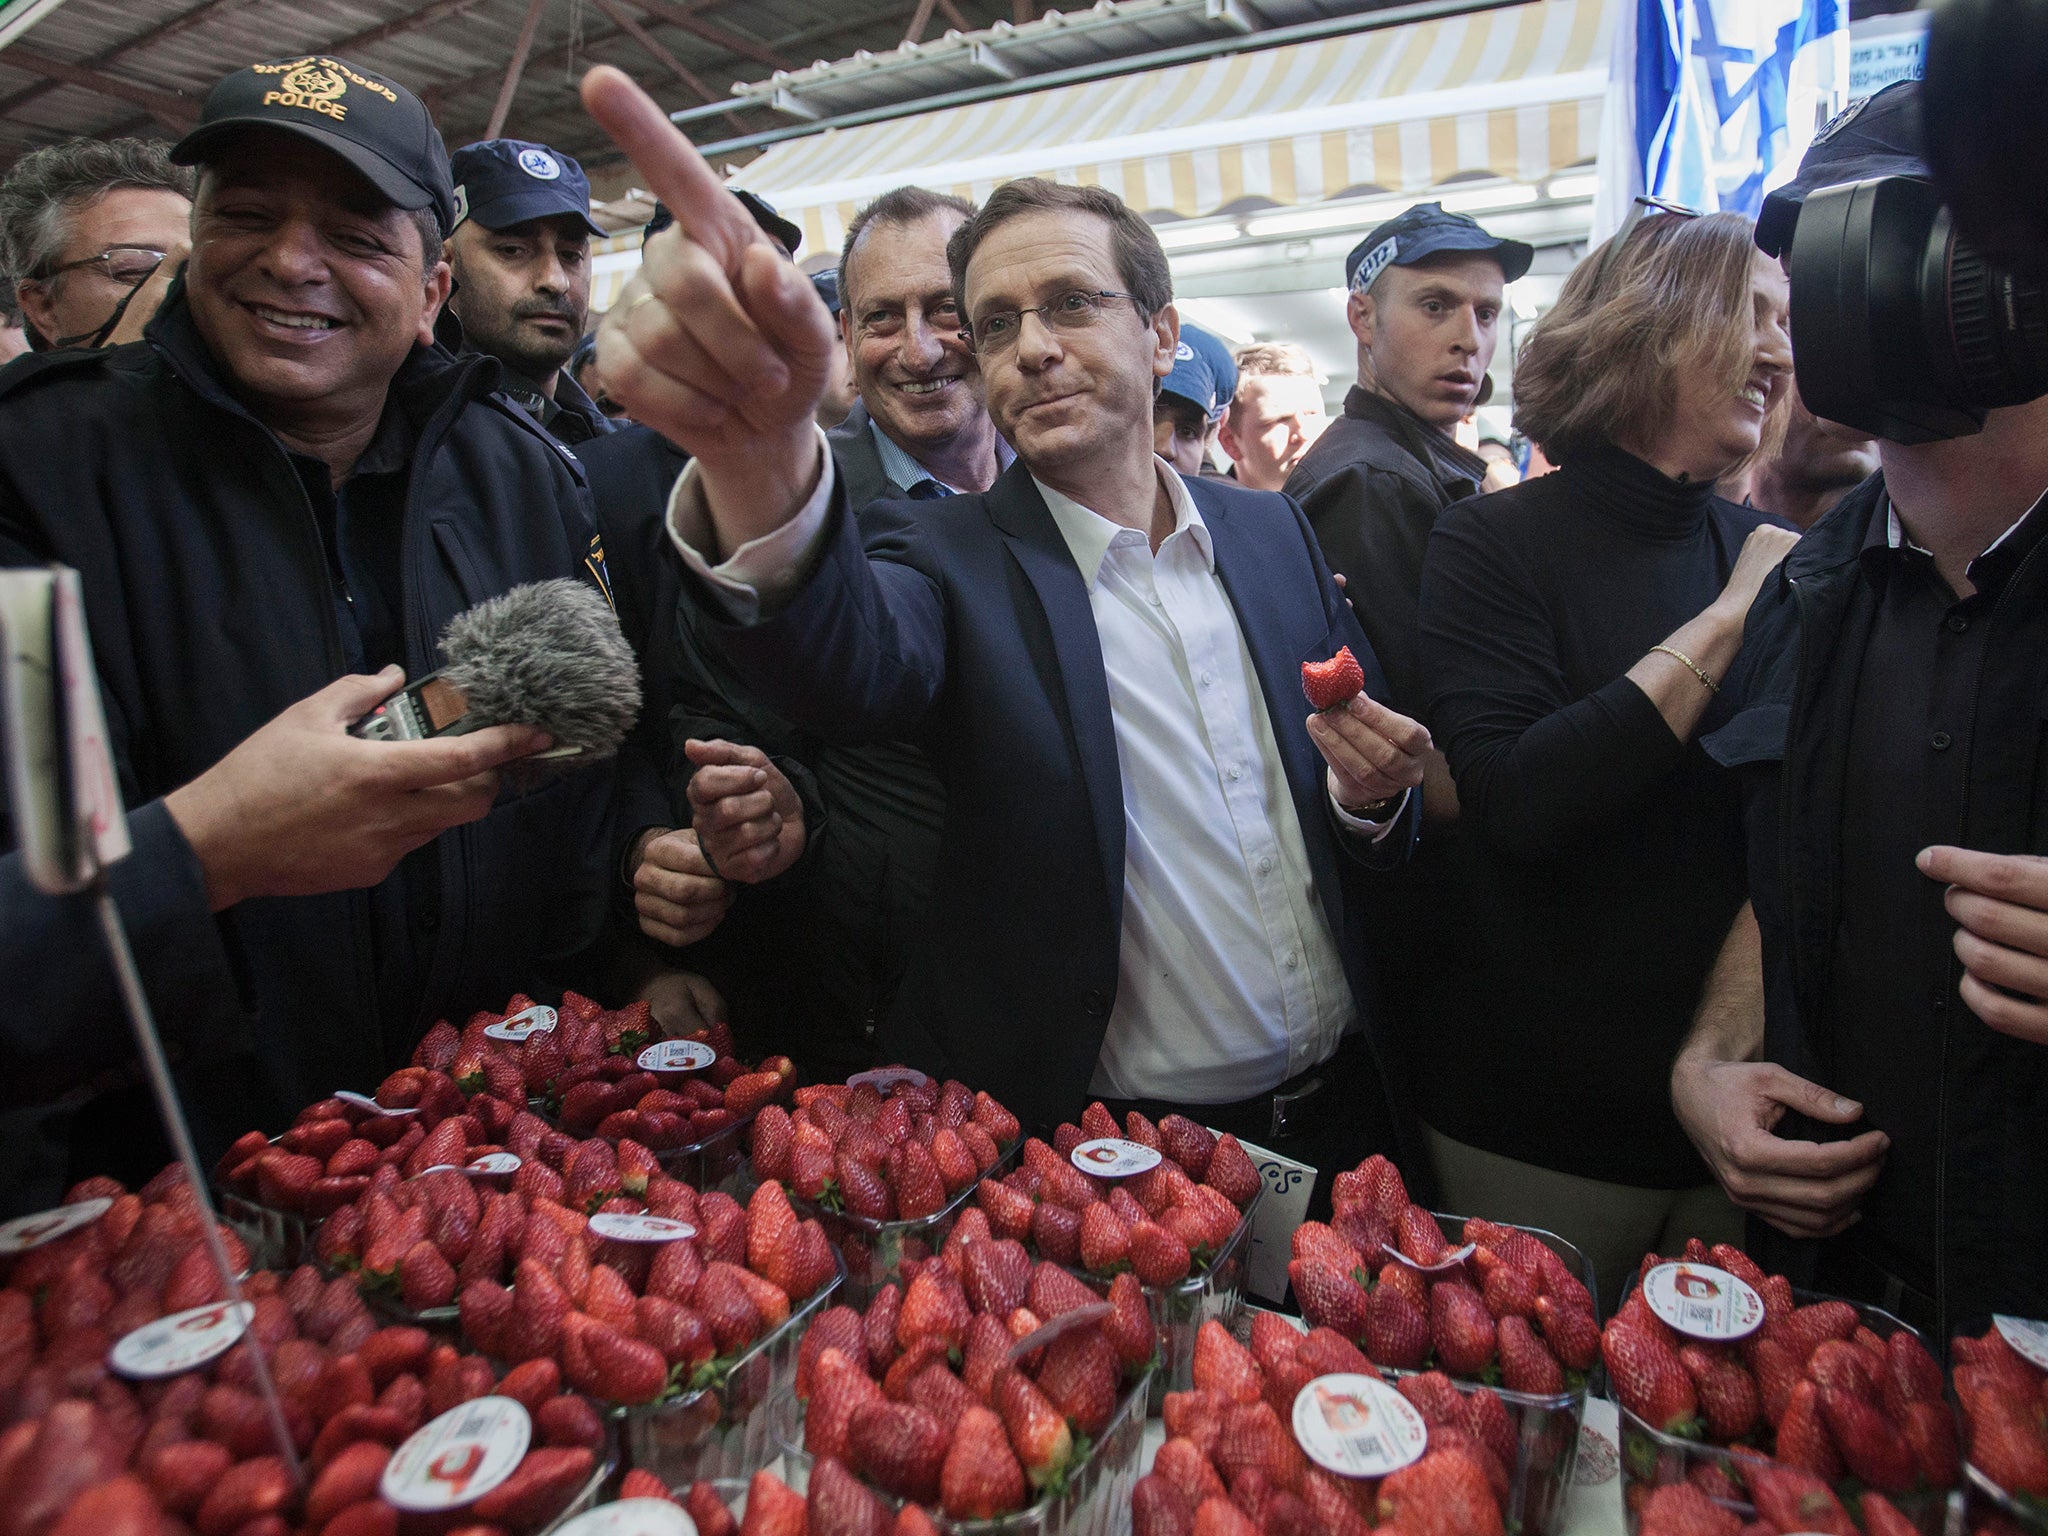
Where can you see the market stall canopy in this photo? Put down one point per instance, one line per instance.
(1511, 92)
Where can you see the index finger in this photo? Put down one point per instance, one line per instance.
(1814, 1159)
(411, 765)
(668, 163)
(1411, 736)
(2015, 877)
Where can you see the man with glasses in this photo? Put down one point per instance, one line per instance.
(91, 234)
(1147, 869)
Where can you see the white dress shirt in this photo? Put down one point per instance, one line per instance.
(1229, 981)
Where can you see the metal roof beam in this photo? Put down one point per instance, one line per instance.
(175, 112)
(156, 34)
(514, 69)
(623, 19)
(685, 19)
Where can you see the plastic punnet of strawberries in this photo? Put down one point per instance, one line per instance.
(2004, 1400)
(1511, 1313)
(1163, 1224)
(887, 1411)
(1231, 1465)
(836, 1503)
(1814, 1388)
(89, 1453)
(587, 1071)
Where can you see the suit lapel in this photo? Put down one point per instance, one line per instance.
(1034, 541)
(1254, 580)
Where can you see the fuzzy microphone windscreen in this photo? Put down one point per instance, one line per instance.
(547, 654)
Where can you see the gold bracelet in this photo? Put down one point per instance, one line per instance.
(1691, 666)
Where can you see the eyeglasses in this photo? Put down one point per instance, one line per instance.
(1638, 210)
(128, 265)
(1074, 310)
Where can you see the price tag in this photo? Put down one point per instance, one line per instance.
(1111, 1157)
(2028, 1338)
(1450, 1260)
(364, 1101)
(631, 1517)
(1065, 1323)
(26, 1232)
(677, 1056)
(624, 1228)
(494, 1163)
(1358, 1426)
(177, 1343)
(537, 1020)
(882, 1079)
(459, 1457)
(1703, 1302)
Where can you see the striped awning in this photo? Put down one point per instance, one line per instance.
(1512, 92)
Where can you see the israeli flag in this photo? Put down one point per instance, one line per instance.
(1710, 103)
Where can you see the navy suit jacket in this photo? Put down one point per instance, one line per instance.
(964, 624)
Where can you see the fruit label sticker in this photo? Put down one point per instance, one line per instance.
(1450, 1260)
(1065, 1323)
(631, 1517)
(2028, 1338)
(459, 1457)
(493, 1163)
(537, 1020)
(364, 1101)
(181, 1341)
(677, 1056)
(1703, 1302)
(624, 1228)
(26, 1232)
(1357, 1426)
(1111, 1157)
(882, 1079)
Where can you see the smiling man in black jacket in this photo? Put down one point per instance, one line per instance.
(285, 488)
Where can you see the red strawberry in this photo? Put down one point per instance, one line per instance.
(1130, 1328)
(1232, 1171)
(1254, 1439)
(801, 1263)
(1097, 1122)
(900, 1448)
(1647, 1376)
(879, 1327)
(1871, 1448)
(981, 1478)
(1910, 1375)
(1776, 1374)
(1803, 1438)
(996, 1120)
(247, 1491)
(1444, 1492)
(920, 1188)
(749, 1092)
(985, 1351)
(933, 1308)
(1329, 1298)
(1009, 1210)
(1054, 1292)
(1461, 1329)
(1080, 1377)
(703, 1505)
(722, 1298)
(1037, 1430)
(1223, 1365)
(1526, 1365)
(1188, 1144)
(840, 1504)
(1056, 1230)
(1330, 684)
(1572, 1334)
(182, 1475)
(1158, 1508)
(997, 1276)
(1105, 1239)
(956, 1160)
(425, 1278)
(840, 1392)
(1930, 1431)
(774, 1143)
(1396, 1330)
(1792, 1500)
(1159, 1257)
(1881, 1517)
(609, 1365)
(679, 1332)
(1680, 1509)
(537, 1489)
(862, 1191)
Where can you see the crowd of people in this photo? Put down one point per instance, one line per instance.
(1673, 865)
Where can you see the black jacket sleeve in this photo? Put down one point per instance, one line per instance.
(1374, 527)
(1535, 766)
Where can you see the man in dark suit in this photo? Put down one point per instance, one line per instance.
(1143, 888)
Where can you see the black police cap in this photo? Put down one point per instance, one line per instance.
(373, 123)
(1423, 231)
(771, 223)
(502, 182)
(1878, 136)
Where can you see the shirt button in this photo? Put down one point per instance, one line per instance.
(1265, 866)
(1940, 741)
(1293, 960)
(1956, 623)
(1208, 678)
(1236, 774)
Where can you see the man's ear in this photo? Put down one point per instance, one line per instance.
(1226, 439)
(1165, 340)
(439, 280)
(32, 294)
(1360, 313)
(846, 329)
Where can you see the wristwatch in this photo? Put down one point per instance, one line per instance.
(1376, 810)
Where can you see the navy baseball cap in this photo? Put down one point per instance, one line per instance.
(771, 223)
(827, 284)
(1195, 377)
(1423, 231)
(374, 123)
(1878, 136)
(502, 182)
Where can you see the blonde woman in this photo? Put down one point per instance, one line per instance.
(1575, 630)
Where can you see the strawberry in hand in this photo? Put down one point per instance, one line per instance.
(1330, 684)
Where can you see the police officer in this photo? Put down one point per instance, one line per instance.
(276, 503)
(1867, 1072)
(1425, 302)
(1188, 410)
(520, 256)
(840, 390)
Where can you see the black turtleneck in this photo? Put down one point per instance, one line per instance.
(1603, 857)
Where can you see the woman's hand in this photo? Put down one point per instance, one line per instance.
(1761, 552)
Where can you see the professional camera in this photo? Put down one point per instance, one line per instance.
(1900, 325)
(1987, 72)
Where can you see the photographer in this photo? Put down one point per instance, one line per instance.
(1868, 1069)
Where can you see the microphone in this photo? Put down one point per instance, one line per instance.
(548, 654)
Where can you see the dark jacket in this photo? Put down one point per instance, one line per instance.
(964, 624)
(1798, 669)
(1373, 486)
(211, 608)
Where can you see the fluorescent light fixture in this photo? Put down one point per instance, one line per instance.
(1304, 221)
(1485, 198)
(1564, 188)
(19, 18)
(1180, 237)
